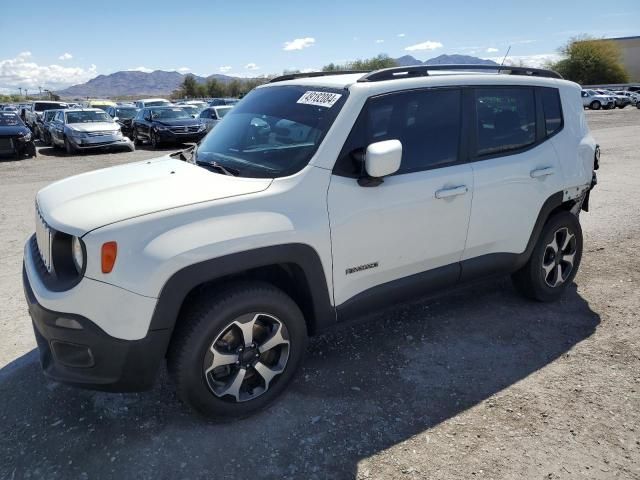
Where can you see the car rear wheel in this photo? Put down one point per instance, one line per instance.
(555, 259)
(235, 351)
(595, 105)
(135, 138)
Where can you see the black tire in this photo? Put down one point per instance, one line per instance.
(622, 106)
(211, 315)
(135, 138)
(155, 143)
(595, 105)
(532, 280)
(71, 150)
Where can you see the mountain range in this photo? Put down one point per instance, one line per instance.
(162, 83)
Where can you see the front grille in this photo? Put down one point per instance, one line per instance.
(186, 129)
(100, 134)
(43, 241)
(6, 143)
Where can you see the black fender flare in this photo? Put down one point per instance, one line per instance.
(176, 289)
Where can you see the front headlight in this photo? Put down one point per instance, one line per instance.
(161, 128)
(78, 253)
(202, 126)
(25, 138)
(77, 134)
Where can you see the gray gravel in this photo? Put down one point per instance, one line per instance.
(479, 383)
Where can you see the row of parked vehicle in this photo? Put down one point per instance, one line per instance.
(596, 99)
(107, 124)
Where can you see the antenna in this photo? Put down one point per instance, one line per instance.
(505, 55)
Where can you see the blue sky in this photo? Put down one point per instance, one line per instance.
(54, 44)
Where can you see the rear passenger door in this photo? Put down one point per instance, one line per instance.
(515, 168)
(416, 220)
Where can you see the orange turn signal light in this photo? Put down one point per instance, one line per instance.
(109, 254)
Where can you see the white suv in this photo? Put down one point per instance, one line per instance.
(317, 199)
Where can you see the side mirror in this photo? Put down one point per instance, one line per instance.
(381, 159)
(115, 119)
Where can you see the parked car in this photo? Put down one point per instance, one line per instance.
(162, 125)
(192, 110)
(10, 108)
(620, 100)
(43, 125)
(15, 137)
(316, 200)
(222, 101)
(195, 103)
(153, 102)
(211, 116)
(36, 110)
(632, 96)
(86, 128)
(124, 116)
(101, 104)
(595, 101)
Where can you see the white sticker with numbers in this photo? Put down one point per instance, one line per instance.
(319, 99)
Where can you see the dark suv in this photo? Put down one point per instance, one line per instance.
(124, 117)
(160, 125)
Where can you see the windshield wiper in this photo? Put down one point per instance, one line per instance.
(219, 168)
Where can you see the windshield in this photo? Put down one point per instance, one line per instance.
(222, 111)
(41, 107)
(272, 132)
(9, 119)
(87, 117)
(101, 106)
(169, 114)
(157, 103)
(191, 109)
(126, 113)
(49, 114)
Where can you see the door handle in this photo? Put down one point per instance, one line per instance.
(451, 192)
(542, 172)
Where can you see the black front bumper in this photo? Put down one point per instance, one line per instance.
(86, 356)
(167, 136)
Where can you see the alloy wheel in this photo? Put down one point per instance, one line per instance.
(559, 256)
(246, 357)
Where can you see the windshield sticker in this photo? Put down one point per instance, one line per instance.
(319, 99)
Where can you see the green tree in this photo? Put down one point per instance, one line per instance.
(590, 61)
(189, 88)
(376, 63)
(215, 88)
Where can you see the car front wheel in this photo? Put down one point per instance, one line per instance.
(555, 259)
(595, 105)
(68, 147)
(235, 351)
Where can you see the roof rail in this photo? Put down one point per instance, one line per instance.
(293, 76)
(423, 71)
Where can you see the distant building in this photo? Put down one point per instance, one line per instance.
(630, 49)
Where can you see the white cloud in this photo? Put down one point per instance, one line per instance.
(251, 66)
(401, 35)
(226, 68)
(299, 43)
(534, 61)
(379, 41)
(141, 69)
(428, 45)
(65, 56)
(492, 50)
(184, 69)
(23, 72)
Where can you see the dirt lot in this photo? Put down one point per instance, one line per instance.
(477, 384)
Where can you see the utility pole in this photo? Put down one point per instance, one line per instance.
(26, 93)
(40, 88)
(20, 88)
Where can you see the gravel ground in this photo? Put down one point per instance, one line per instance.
(479, 383)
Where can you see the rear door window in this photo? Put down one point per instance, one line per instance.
(505, 120)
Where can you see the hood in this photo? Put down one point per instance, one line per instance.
(179, 122)
(93, 126)
(13, 130)
(77, 205)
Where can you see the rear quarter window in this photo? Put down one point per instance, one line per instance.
(552, 109)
